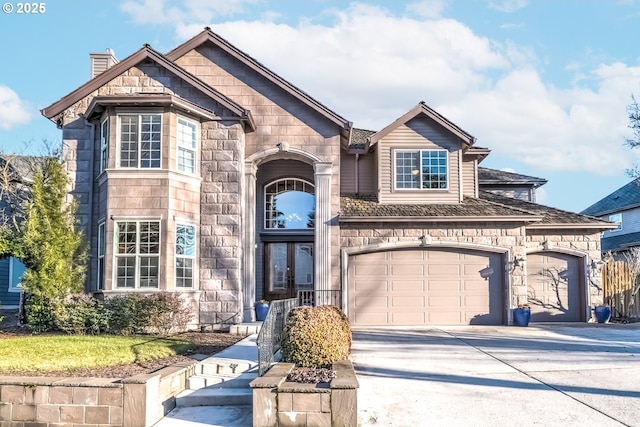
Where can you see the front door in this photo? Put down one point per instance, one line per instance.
(288, 269)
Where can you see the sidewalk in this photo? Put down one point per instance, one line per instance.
(245, 350)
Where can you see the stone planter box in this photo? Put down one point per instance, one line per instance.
(280, 403)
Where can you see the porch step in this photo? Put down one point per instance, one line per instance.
(245, 329)
(217, 365)
(215, 397)
(199, 381)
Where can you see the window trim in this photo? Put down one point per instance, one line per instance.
(614, 230)
(101, 250)
(419, 151)
(139, 114)
(194, 257)
(104, 144)
(137, 254)
(14, 287)
(180, 147)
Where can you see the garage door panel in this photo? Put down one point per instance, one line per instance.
(408, 318)
(416, 287)
(426, 286)
(407, 270)
(444, 270)
(443, 286)
(363, 285)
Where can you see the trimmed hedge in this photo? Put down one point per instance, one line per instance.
(316, 336)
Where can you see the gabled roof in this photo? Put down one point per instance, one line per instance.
(419, 109)
(620, 242)
(551, 217)
(208, 36)
(488, 176)
(625, 197)
(146, 52)
(360, 139)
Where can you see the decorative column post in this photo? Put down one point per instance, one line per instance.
(249, 253)
(322, 260)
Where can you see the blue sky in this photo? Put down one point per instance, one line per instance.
(544, 84)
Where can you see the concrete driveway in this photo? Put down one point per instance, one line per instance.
(544, 375)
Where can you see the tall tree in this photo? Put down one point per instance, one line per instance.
(54, 251)
(633, 110)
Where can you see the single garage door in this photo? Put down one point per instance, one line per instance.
(553, 285)
(425, 287)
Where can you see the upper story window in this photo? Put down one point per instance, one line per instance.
(137, 254)
(140, 140)
(421, 169)
(187, 142)
(289, 204)
(617, 218)
(104, 144)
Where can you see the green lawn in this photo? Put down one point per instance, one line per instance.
(42, 354)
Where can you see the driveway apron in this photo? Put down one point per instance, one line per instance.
(542, 375)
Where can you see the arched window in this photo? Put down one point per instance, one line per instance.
(289, 204)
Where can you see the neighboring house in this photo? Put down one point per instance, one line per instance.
(509, 184)
(16, 173)
(623, 208)
(203, 172)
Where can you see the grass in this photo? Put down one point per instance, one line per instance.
(49, 353)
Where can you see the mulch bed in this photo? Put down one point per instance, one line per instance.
(207, 343)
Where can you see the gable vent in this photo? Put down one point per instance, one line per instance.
(101, 61)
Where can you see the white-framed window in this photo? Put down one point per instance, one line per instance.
(289, 203)
(102, 234)
(421, 169)
(104, 144)
(617, 218)
(187, 138)
(137, 254)
(140, 140)
(16, 270)
(185, 255)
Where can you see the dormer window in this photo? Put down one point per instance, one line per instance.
(421, 169)
(140, 140)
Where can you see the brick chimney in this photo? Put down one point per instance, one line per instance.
(100, 61)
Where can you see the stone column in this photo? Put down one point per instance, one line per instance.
(322, 273)
(248, 259)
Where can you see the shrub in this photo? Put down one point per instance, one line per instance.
(80, 314)
(316, 336)
(39, 312)
(121, 312)
(163, 313)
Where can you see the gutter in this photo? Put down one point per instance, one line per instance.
(433, 219)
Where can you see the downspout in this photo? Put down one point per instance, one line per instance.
(357, 174)
(92, 138)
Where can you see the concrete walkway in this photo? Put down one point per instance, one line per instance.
(545, 375)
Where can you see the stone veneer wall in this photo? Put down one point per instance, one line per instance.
(138, 401)
(505, 235)
(222, 171)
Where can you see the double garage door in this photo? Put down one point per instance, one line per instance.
(426, 287)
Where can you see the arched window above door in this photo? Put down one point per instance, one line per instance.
(289, 204)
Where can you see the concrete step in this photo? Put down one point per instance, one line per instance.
(218, 365)
(209, 416)
(210, 396)
(245, 329)
(199, 381)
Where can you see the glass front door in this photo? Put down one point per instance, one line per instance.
(288, 269)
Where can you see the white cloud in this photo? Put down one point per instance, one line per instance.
(508, 6)
(13, 110)
(371, 66)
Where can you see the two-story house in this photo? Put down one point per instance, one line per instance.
(623, 208)
(203, 172)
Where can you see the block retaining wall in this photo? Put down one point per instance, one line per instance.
(138, 401)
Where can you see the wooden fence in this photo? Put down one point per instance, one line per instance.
(617, 284)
